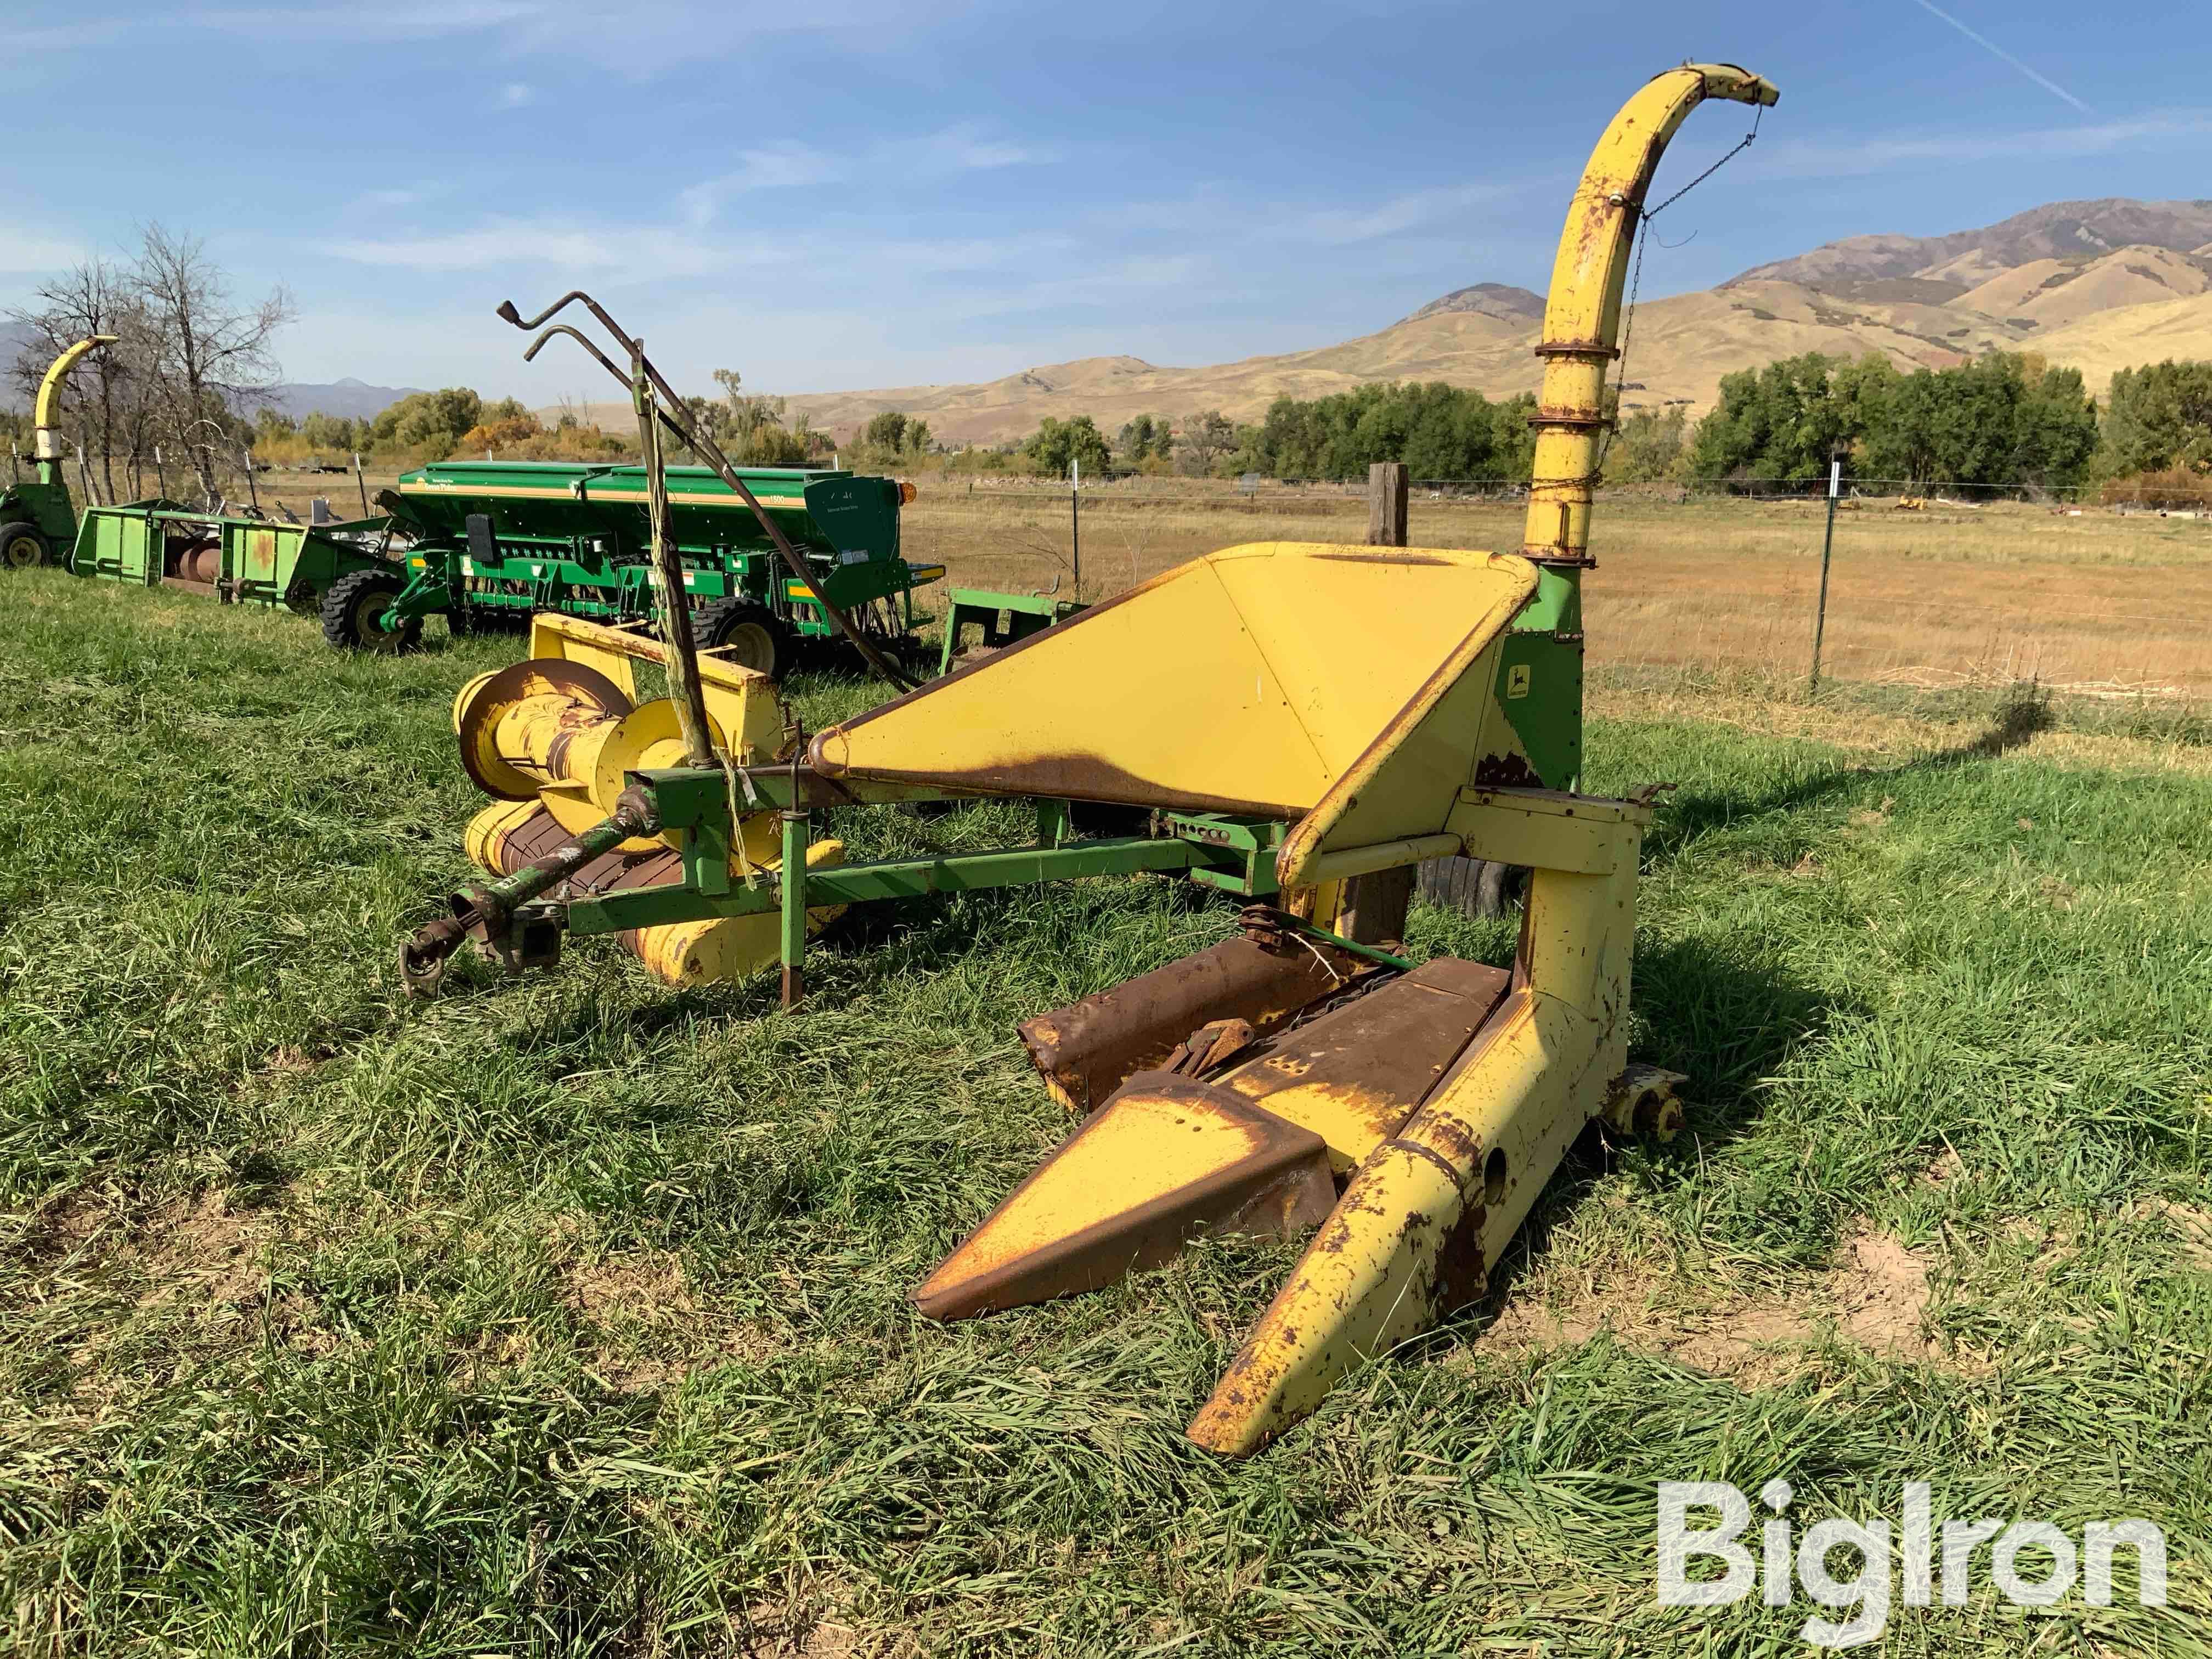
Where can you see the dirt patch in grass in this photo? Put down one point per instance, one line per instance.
(197, 1248)
(2192, 1227)
(649, 1329)
(646, 1287)
(202, 1249)
(1873, 1293)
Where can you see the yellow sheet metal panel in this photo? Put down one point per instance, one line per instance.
(1394, 1253)
(1412, 763)
(731, 948)
(1165, 1159)
(1249, 680)
(1354, 1075)
(1579, 833)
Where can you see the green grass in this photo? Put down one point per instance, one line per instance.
(568, 1315)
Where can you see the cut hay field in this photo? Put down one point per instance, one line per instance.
(567, 1315)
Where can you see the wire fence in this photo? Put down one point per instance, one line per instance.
(1922, 590)
(2132, 497)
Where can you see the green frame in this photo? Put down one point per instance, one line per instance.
(1236, 854)
(263, 562)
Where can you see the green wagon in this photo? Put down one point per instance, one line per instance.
(314, 569)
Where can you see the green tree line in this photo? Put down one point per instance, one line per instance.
(2003, 421)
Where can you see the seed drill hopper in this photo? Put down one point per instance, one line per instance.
(1300, 721)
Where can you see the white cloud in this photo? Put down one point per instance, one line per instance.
(515, 94)
(25, 253)
(63, 37)
(790, 165)
(1401, 213)
(782, 166)
(653, 251)
(374, 24)
(1818, 160)
(578, 248)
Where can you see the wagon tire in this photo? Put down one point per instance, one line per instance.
(353, 609)
(749, 634)
(22, 547)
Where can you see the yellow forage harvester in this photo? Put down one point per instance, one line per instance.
(1303, 723)
(1412, 1120)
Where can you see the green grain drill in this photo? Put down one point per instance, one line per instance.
(493, 541)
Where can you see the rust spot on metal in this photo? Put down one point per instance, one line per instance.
(1396, 556)
(1462, 1273)
(1087, 1049)
(1505, 772)
(1060, 775)
(1599, 348)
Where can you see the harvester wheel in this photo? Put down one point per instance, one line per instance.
(21, 546)
(352, 613)
(749, 632)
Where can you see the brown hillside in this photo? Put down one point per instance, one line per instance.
(2100, 285)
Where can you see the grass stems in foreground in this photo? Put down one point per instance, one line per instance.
(568, 1314)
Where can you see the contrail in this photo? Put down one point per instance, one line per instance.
(1991, 47)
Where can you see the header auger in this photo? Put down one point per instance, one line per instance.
(1294, 719)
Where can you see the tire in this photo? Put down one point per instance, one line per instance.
(22, 547)
(749, 633)
(352, 610)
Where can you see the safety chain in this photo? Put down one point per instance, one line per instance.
(1644, 217)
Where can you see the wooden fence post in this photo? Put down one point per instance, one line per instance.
(1386, 504)
(1372, 910)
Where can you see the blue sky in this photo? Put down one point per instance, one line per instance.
(841, 193)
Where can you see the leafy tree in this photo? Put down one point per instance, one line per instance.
(1145, 438)
(1205, 439)
(2000, 420)
(1779, 423)
(2158, 418)
(1440, 431)
(1057, 445)
(1650, 447)
(319, 431)
(886, 431)
(751, 428)
(430, 423)
(891, 439)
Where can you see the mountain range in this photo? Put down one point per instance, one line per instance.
(2099, 285)
(350, 399)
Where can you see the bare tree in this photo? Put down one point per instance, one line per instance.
(104, 403)
(211, 353)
